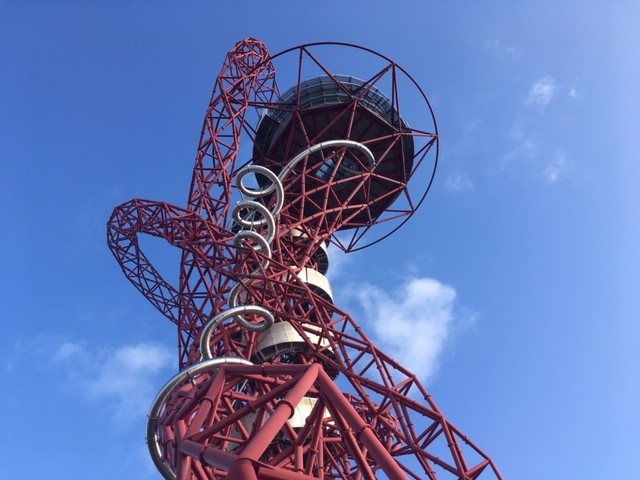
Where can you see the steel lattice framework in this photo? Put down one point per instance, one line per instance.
(275, 381)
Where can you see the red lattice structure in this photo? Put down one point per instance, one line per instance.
(276, 381)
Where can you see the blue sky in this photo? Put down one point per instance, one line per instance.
(518, 276)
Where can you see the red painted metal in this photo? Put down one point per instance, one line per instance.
(328, 404)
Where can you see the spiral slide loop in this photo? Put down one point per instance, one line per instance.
(153, 441)
(245, 213)
(251, 215)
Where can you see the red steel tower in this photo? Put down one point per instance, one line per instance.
(276, 381)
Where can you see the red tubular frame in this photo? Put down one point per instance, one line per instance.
(233, 421)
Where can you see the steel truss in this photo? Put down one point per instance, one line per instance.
(324, 403)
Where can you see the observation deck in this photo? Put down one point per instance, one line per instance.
(342, 182)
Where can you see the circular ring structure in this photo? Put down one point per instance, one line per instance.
(187, 374)
(255, 193)
(235, 313)
(321, 146)
(379, 105)
(239, 310)
(245, 222)
(263, 244)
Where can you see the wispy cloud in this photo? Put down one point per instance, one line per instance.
(522, 149)
(558, 168)
(542, 91)
(338, 261)
(126, 378)
(68, 351)
(413, 323)
(458, 182)
(574, 90)
(502, 51)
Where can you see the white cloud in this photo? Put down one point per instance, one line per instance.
(502, 51)
(125, 378)
(126, 373)
(458, 182)
(338, 261)
(521, 144)
(524, 149)
(68, 350)
(557, 169)
(542, 91)
(413, 323)
(573, 89)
